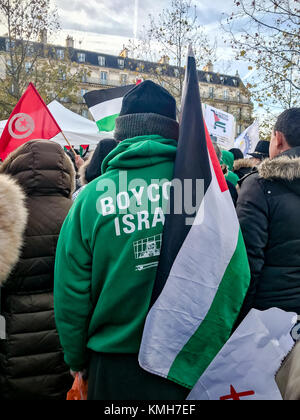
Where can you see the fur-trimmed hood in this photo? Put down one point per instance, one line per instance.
(13, 218)
(285, 167)
(243, 163)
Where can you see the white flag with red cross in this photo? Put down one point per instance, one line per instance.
(246, 366)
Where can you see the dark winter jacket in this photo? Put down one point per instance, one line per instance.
(269, 209)
(31, 359)
(91, 169)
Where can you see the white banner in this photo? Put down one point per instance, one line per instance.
(220, 125)
(248, 140)
(245, 368)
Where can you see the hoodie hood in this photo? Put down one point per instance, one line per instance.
(13, 219)
(227, 159)
(140, 152)
(284, 168)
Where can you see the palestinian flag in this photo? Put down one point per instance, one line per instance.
(84, 148)
(105, 105)
(68, 148)
(248, 365)
(203, 273)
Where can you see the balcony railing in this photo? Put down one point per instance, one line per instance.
(221, 98)
(103, 82)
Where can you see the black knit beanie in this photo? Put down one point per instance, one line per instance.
(147, 109)
(149, 98)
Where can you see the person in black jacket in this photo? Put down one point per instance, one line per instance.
(91, 169)
(243, 167)
(268, 208)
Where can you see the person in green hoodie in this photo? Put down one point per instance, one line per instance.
(228, 160)
(108, 253)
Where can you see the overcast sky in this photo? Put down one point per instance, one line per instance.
(106, 25)
(117, 17)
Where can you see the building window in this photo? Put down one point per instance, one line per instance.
(101, 61)
(62, 75)
(123, 79)
(238, 96)
(60, 54)
(103, 77)
(211, 92)
(10, 69)
(226, 95)
(9, 45)
(84, 77)
(81, 57)
(28, 67)
(121, 63)
(30, 50)
(239, 129)
(85, 113)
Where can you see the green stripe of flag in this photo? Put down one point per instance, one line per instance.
(107, 123)
(216, 328)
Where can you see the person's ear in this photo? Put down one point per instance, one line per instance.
(280, 141)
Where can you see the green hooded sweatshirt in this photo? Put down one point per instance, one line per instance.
(228, 160)
(107, 253)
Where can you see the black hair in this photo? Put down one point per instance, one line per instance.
(237, 153)
(288, 123)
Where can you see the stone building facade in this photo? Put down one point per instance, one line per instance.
(225, 92)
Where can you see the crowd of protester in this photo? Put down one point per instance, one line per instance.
(54, 251)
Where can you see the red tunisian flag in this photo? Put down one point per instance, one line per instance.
(30, 119)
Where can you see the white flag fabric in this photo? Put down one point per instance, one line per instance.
(248, 140)
(246, 366)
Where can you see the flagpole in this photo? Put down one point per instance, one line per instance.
(69, 143)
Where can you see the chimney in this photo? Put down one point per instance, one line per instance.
(70, 42)
(124, 52)
(164, 60)
(209, 67)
